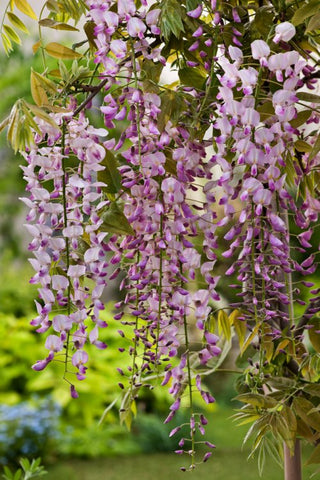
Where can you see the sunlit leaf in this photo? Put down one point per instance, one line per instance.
(7, 45)
(267, 344)
(114, 221)
(314, 23)
(287, 427)
(89, 31)
(249, 339)
(170, 20)
(110, 175)
(39, 112)
(308, 97)
(224, 324)
(192, 77)
(36, 46)
(304, 12)
(303, 408)
(48, 22)
(57, 50)
(313, 389)
(239, 325)
(315, 149)
(315, 456)
(281, 383)
(52, 5)
(257, 400)
(37, 91)
(300, 119)
(16, 22)
(25, 7)
(314, 334)
(302, 146)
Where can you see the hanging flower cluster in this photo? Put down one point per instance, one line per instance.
(261, 149)
(160, 258)
(64, 201)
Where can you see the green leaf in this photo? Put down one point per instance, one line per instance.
(126, 417)
(18, 474)
(171, 19)
(63, 71)
(192, 77)
(114, 221)
(281, 383)
(315, 149)
(25, 7)
(89, 31)
(314, 23)
(52, 5)
(313, 389)
(287, 427)
(57, 50)
(257, 400)
(152, 73)
(39, 112)
(7, 45)
(110, 175)
(304, 12)
(315, 456)
(308, 97)
(300, 119)
(8, 473)
(302, 146)
(36, 46)
(261, 459)
(267, 344)
(48, 22)
(25, 464)
(46, 83)
(263, 21)
(16, 22)
(266, 110)
(37, 91)
(172, 105)
(314, 334)
(303, 408)
(224, 324)
(4, 124)
(304, 431)
(191, 4)
(239, 325)
(65, 26)
(249, 339)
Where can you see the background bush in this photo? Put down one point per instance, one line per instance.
(28, 429)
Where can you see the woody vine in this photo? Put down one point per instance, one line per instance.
(228, 154)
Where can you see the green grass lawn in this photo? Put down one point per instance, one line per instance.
(228, 465)
(229, 461)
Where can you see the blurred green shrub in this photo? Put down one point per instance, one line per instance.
(21, 346)
(97, 441)
(152, 435)
(16, 293)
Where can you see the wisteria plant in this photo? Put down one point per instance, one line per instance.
(224, 157)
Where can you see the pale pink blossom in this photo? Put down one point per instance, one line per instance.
(260, 51)
(284, 32)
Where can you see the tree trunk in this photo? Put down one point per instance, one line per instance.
(292, 464)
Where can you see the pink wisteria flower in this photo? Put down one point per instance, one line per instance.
(260, 51)
(136, 27)
(284, 32)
